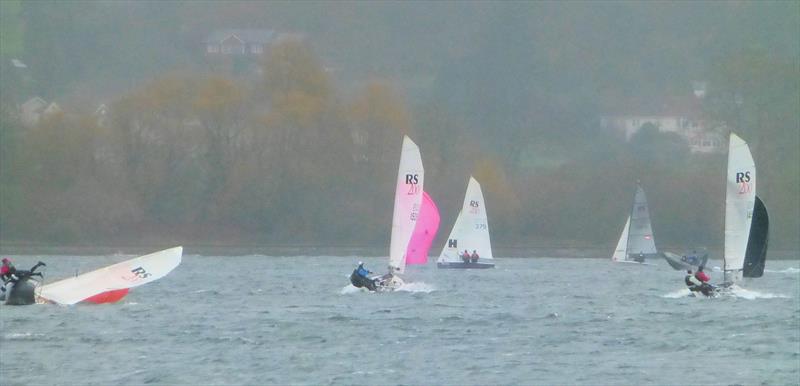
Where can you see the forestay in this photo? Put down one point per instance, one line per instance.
(740, 195)
(471, 229)
(407, 203)
(127, 274)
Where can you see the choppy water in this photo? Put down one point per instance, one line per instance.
(282, 320)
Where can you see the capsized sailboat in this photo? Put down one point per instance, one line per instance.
(688, 261)
(636, 243)
(110, 284)
(470, 234)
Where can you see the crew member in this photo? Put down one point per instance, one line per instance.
(474, 257)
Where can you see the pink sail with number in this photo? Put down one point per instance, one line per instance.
(424, 232)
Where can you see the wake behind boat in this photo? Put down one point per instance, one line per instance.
(470, 232)
(111, 284)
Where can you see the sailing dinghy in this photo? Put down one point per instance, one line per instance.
(470, 234)
(112, 283)
(408, 202)
(746, 220)
(636, 243)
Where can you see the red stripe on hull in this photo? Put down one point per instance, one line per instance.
(108, 296)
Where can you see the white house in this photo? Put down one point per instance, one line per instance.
(31, 111)
(684, 118)
(244, 42)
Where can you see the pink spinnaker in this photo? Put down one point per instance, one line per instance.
(424, 232)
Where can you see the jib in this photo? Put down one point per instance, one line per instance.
(742, 177)
(412, 179)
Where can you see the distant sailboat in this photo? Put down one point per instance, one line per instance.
(746, 218)
(112, 283)
(636, 243)
(470, 233)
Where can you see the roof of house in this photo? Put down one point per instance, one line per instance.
(247, 35)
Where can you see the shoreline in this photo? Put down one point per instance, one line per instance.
(299, 250)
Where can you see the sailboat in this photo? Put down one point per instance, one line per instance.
(111, 284)
(746, 217)
(470, 233)
(408, 201)
(636, 241)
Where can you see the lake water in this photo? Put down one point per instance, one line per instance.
(293, 320)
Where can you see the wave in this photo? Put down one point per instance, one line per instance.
(351, 289)
(787, 270)
(417, 287)
(742, 293)
(735, 291)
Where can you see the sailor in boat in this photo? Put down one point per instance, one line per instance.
(466, 256)
(12, 277)
(699, 282)
(360, 277)
(640, 258)
(691, 259)
(474, 257)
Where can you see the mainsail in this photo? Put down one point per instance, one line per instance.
(640, 236)
(471, 229)
(407, 204)
(424, 232)
(740, 197)
(112, 283)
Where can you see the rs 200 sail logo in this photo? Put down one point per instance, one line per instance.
(743, 181)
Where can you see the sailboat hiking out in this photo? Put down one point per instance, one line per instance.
(746, 220)
(469, 245)
(408, 207)
(636, 243)
(105, 285)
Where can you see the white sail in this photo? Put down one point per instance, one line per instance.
(407, 203)
(640, 234)
(127, 274)
(471, 229)
(621, 253)
(740, 196)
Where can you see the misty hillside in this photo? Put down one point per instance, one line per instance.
(141, 122)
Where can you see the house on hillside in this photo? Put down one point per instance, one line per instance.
(682, 117)
(31, 111)
(243, 42)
